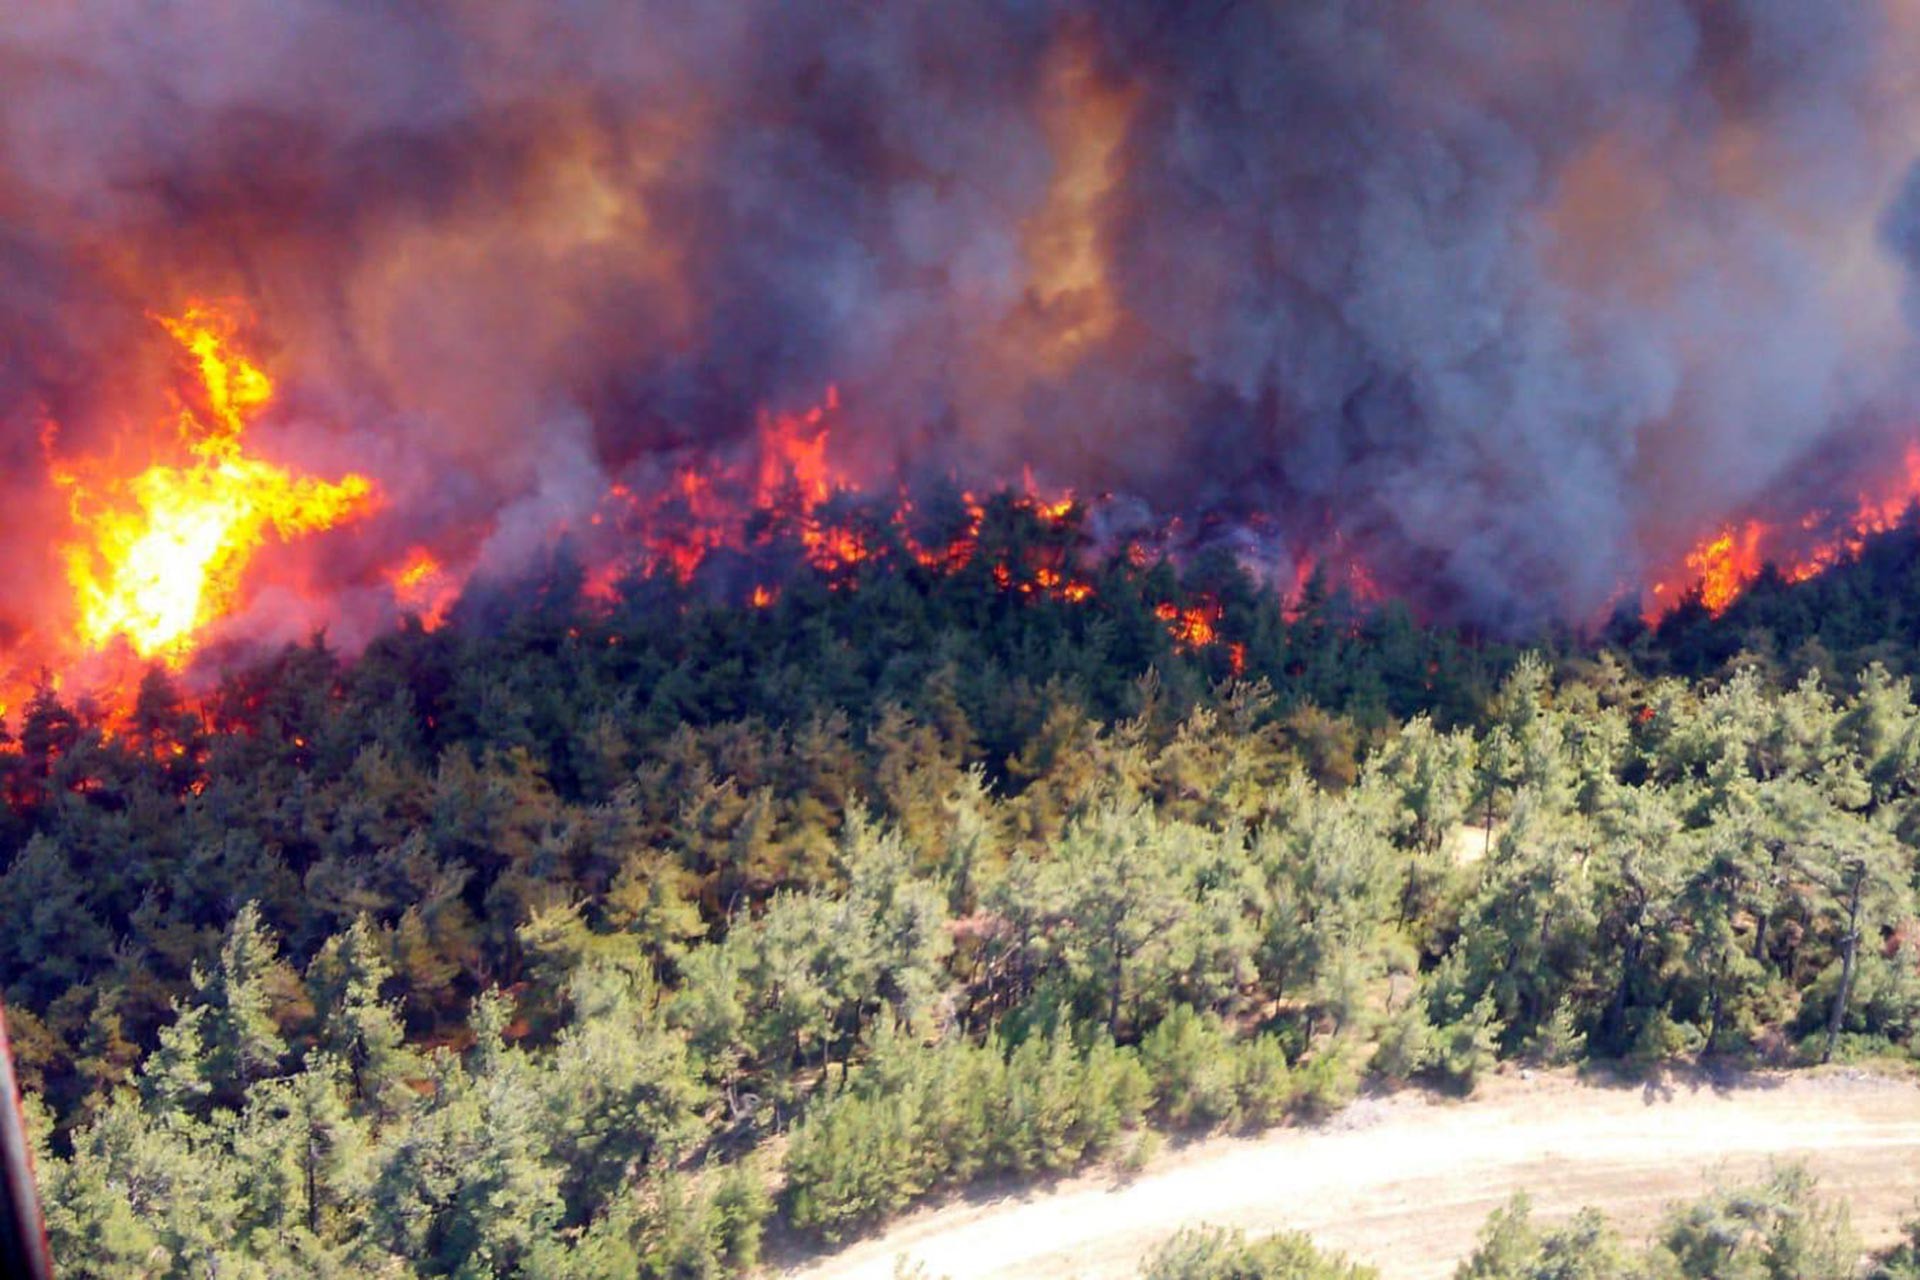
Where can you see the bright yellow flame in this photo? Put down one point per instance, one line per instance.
(236, 389)
(160, 554)
(415, 574)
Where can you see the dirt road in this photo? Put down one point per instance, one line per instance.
(1405, 1182)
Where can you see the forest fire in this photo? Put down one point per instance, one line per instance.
(424, 587)
(1084, 242)
(1192, 626)
(787, 490)
(1722, 566)
(158, 554)
(1196, 626)
(581, 577)
(1086, 246)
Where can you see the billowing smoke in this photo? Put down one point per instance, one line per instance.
(1520, 298)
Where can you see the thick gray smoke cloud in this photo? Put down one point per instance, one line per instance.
(1519, 297)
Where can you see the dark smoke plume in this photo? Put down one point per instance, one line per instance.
(1518, 297)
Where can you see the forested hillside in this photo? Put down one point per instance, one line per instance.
(586, 939)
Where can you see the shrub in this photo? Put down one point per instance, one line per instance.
(1328, 1080)
(1194, 1071)
(740, 1207)
(919, 1117)
(1264, 1081)
(1405, 1045)
(1211, 1253)
(1774, 1228)
(1467, 1047)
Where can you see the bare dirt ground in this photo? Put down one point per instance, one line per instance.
(1404, 1182)
(1469, 844)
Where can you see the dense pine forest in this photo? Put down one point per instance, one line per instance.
(584, 939)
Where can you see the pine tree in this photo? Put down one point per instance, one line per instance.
(360, 1029)
(247, 994)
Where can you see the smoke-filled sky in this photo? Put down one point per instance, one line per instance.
(1519, 297)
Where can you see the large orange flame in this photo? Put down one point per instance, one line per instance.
(424, 587)
(788, 486)
(158, 555)
(1724, 564)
